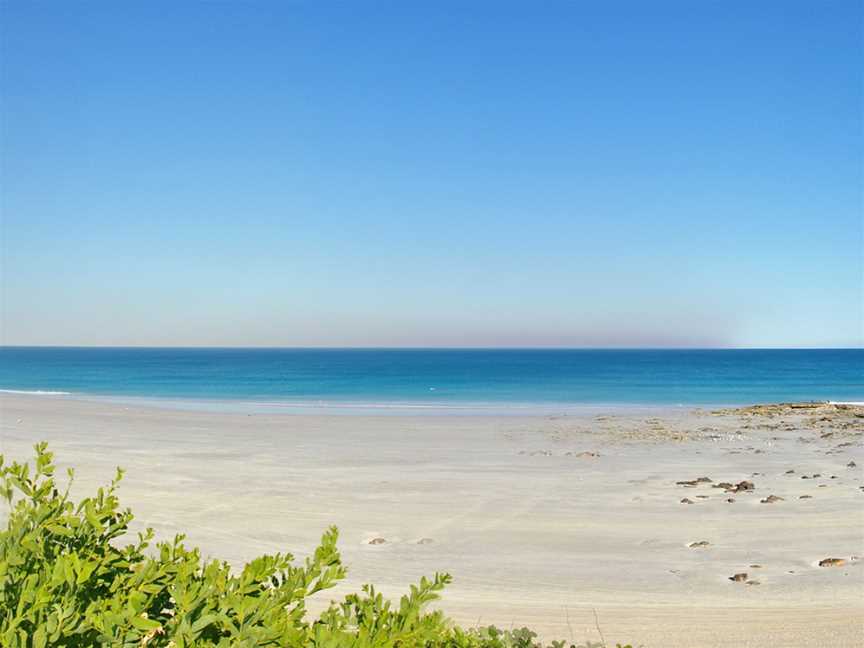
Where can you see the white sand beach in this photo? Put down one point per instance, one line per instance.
(572, 525)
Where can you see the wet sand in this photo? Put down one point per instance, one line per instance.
(543, 521)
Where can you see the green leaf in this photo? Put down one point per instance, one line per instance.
(40, 639)
(145, 624)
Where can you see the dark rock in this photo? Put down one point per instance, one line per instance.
(744, 485)
(832, 562)
(771, 499)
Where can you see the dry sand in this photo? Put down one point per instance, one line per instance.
(543, 521)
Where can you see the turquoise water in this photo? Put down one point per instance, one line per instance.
(439, 378)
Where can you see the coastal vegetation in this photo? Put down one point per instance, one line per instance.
(67, 580)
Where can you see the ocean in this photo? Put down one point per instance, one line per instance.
(435, 379)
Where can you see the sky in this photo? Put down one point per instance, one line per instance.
(432, 173)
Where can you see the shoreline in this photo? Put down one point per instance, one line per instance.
(344, 407)
(540, 519)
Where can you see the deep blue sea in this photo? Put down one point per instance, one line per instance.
(438, 378)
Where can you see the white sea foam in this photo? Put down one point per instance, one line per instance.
(37, 392)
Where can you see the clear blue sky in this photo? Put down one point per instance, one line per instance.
(439, 173)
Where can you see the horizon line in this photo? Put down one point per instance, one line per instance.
(433, 348)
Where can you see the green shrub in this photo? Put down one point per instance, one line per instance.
(66, 581)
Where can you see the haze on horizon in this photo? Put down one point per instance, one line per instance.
(572, 174)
